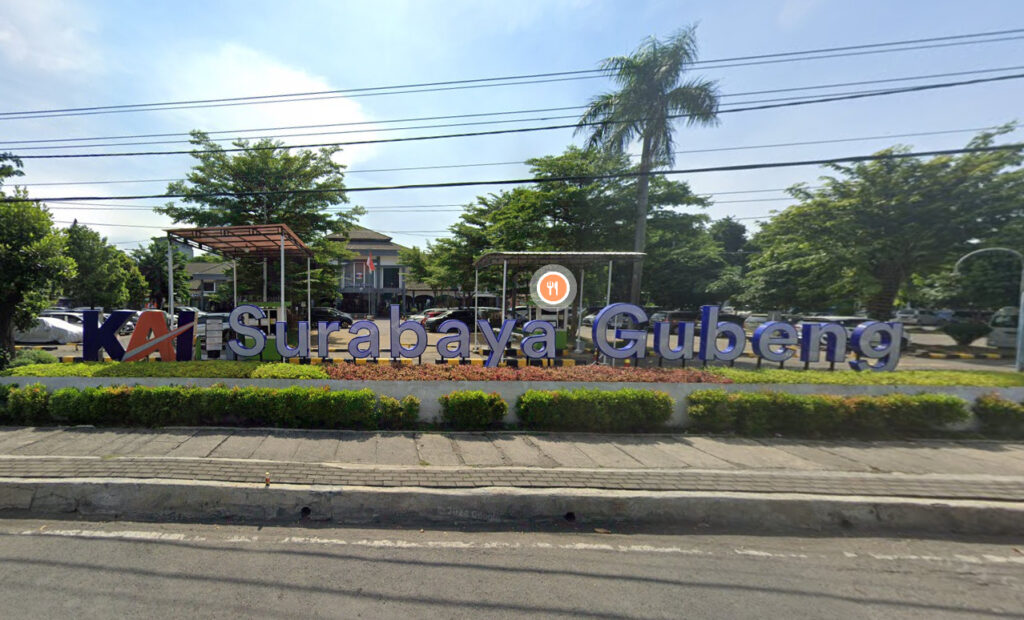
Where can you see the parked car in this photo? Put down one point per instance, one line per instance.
(326, 313)
(48, 330)
(620, 322)
(916, 316)
(422, 316)
(71, 316)
(202, 321)
(459, 314)
(1004, 328)
(850, 323)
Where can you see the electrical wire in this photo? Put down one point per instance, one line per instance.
(771, 58)
(845, 97)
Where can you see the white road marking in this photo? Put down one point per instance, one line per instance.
(392, 543)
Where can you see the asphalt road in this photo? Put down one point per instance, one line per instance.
(93, 570)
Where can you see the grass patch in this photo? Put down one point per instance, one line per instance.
(978, 378)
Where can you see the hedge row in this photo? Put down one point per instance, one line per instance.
(761, 414)
(1000, 417)
(293, 407)
(753, 414)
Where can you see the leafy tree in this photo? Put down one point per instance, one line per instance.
(32, 260)
(652, 95)
(103, 278)
(732, 236)
(266, 183)
(589, 212)
(152, 264)
(136, 287)
(866, 233)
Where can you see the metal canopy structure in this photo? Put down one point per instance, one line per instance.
(562, 258)
(247, 241)
(255, 241)
(566, 259)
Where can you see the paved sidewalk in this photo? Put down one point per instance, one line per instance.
(979, 470)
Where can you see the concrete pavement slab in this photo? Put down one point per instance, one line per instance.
(396, 449)
(520, 450)
(747, 453)
(436, 449)
(605, 454)
(240, 445)
(356, 448)
(562, 451)
(477, 450)
(201, 443)
(318, 448)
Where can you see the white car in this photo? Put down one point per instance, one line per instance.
(48, 330)
(913, 316)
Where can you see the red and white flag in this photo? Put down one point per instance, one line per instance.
(369, 262)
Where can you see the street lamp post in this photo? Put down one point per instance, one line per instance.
(1019, 364)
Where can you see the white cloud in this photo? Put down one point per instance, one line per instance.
(48, 35)
(795, 12)
(234, 70)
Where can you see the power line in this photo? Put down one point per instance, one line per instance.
(771, 58)
(730, 168)
(62, 141)
(510, 163)
(845, 97)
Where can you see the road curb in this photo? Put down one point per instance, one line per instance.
(160, 500)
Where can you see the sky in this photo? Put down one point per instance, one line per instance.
(62, 54)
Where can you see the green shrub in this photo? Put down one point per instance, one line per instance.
(28, 405)
(211, 368)
(33, 356)
(619, 411)
(54, 370)
(758, 414)
(967, 332)
(473, 409)
(288, 371)
(980, 378)
(397, 414)
(999, 416)
(5, 391)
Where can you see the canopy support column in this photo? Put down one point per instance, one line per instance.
(608, 295)
(476, 304)
(579, 312)
(504, 285)
(282, 316)
(170, 277)
(234, 281)
(309, 294)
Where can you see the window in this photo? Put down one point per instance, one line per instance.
(209, 286)
(389, 277)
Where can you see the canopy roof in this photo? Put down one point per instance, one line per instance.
(255, 241)
(561, 258)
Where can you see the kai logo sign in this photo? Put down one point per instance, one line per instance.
(151, 335)
(875, 344)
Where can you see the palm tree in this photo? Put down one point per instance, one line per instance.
(652, 95)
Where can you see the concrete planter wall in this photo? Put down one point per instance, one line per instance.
(429, 391)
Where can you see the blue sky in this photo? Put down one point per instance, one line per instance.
(57, 54)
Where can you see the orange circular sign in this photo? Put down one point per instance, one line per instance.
(553, 288)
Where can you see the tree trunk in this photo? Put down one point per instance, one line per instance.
(640, 225)
(6, 334)
(880, 304)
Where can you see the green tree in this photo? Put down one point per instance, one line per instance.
(102, 278)
(136, 287)
(32, 260)
(652, 95)
(152, 264)
(266, 183)
(868, 232)
(589, 212)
